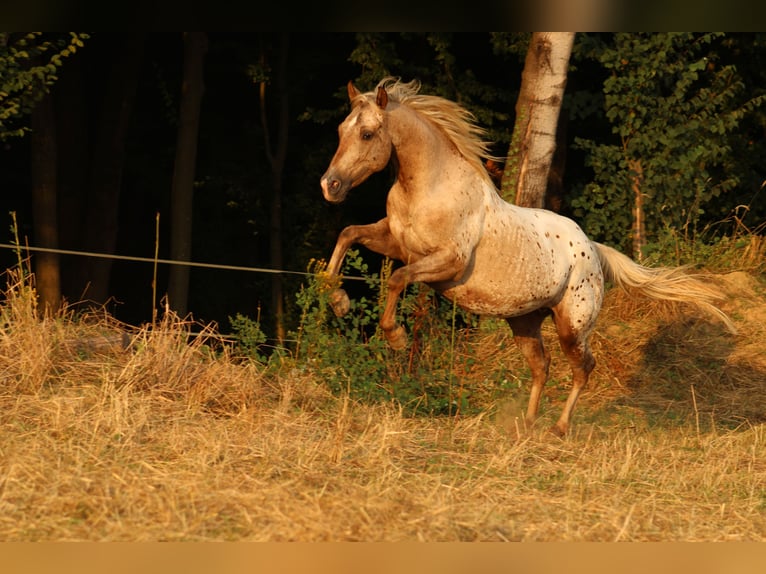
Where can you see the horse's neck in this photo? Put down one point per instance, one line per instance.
(422, 151)
(431, 171)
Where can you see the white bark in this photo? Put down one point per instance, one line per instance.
(537, 114)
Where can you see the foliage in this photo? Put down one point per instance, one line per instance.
(29, 64)
(250, 338)
(511, 44)
(436, 59)
(345, 351)
(673, 107)
(351, 354)
(715, 247)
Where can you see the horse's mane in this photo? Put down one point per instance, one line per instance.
(456, 122)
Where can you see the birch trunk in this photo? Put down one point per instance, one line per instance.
(533, 144)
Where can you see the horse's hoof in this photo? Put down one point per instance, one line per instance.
(397, 338)
(558, 430)
(340, 302)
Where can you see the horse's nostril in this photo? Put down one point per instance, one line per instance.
(334, 185)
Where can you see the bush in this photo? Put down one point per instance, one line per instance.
(351, 354)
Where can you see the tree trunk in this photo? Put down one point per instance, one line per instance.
(107, 163)
(554, 192)
(182, 192)
(525, 178)
(73, 153)
(45, 217)
(277, 155)
(639, 225)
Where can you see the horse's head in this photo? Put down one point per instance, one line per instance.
(364, 147)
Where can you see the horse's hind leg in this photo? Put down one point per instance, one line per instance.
(529, 340)
(574, 344)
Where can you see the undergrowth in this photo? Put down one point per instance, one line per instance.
(455, 362)
(351, 355)
(173, 432)
(728, 245)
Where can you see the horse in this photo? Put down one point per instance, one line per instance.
(447, 224)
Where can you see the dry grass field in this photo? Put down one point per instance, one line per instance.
(115, 433)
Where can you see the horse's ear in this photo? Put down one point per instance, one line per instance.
(382, 98)
(352, 91)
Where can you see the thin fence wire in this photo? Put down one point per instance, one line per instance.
(164, 261)
(156, 261)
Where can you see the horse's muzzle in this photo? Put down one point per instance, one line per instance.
(333, 189)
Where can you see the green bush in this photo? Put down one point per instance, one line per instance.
(249, 337)
(351, 354)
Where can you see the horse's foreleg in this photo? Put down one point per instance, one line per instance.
(440, 266)
(376, 237)
(365, 234)
(529, 340)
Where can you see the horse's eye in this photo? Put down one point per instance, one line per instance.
(366, 135)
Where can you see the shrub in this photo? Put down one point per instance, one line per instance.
(351, 354)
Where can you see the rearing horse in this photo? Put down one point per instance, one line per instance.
(446, 222)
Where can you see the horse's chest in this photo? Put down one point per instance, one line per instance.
(417, 236)
(422, 227)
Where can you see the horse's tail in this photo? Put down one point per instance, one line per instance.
(662, 283)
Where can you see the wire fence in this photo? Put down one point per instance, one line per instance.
(158, 261)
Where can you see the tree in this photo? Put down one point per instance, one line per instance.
(44, 201)
(182, 190)
(533, 144)
(276, 152)
(672, 106)
(73, 144)
(108, 160)
(29, 66)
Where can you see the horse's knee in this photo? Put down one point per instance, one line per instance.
(588, 361)
(576, 348)
(580, 357)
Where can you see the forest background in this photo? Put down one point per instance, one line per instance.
(673, 119)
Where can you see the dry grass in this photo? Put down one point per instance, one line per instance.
(173, 439)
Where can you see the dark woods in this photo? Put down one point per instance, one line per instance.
(224, 138)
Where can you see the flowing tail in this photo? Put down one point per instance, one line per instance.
(662, 283)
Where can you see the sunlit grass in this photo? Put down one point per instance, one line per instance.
(112, 432)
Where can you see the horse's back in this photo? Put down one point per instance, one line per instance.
(526, 259)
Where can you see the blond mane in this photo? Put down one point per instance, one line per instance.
(456, 122)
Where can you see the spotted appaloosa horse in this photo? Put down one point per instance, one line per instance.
(446, 222)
